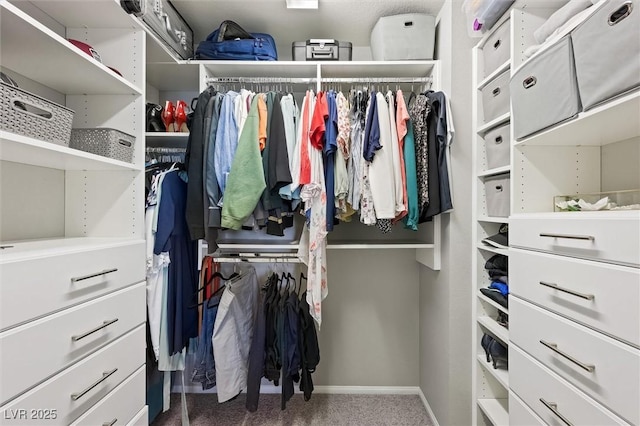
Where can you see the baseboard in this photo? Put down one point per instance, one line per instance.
(428, 407)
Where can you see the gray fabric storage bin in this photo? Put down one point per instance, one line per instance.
(409, 36)
(606, 48)
(496, 191)
(495, 97)
(497, 145)
(496, 49)
(544, 90)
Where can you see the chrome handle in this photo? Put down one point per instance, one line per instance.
(554, 409)
(566, 290)
(105, 376)
(529, 82)
(554, 347)
(97, 274)
(620, 13)
(93, 330)
(111, 423)
(568, 236)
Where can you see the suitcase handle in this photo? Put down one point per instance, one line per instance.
(496, 91)
(620, 13)
(497, 44)
(529, 82)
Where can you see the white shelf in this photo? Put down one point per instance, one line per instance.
(374, 69)
(614, 121)
(496, 171)
(31, 249)
(173, 76)
(51, 59)
(493, 219)
(495, 329)
(372, 245)
(500, 374)
(492, 249)
(492, 303)
(285, 69)
(87, 14)
(26, 150)
(494, 123)
(502, 68)
(496, 410)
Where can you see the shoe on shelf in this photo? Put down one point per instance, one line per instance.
(168, 116)
(154, 118)
(498, 353)
(485, 342)
(181, 117)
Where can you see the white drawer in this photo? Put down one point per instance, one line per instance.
(600, 295)
(534, 384)
(36, 285)
(88, 381)
(603, 236)
(520, 414)
(140, 419)
(120, 406)
(63, 337)
(615, 378)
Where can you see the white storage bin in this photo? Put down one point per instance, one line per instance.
(544, 91)
(409, 36)
(496, 190)
(496, 145)
(495, 51)
(495, 97)
(607, 52)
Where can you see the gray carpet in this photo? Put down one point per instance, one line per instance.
(322, 409)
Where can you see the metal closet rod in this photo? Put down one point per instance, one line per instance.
(164, 150)
(255, 258)
(212, 80)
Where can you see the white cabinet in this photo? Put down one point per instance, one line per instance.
(71, 223)
(574, 275)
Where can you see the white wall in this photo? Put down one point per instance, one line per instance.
(445, 302)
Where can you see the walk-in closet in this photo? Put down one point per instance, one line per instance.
(349, 212)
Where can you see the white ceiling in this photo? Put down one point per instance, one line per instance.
(343, 20)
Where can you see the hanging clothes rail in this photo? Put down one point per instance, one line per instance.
(165, 150)
(260, 80)
(255, 258)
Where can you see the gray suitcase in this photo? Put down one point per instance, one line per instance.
(496, 191)
(544, 91)
(321, 50)
(497, 146)
(496, 50)
(606, 47)
(165, 22)
(495, 97)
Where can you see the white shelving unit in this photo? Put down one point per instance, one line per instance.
(496, 410)
(71, 222)
(425, 242)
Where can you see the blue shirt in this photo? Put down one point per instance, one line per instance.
(226, 140)
(329, 152)
(371, 130)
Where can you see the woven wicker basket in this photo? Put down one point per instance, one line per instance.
(104, 141)
(30, 115)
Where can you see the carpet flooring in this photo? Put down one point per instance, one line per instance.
(321, 410)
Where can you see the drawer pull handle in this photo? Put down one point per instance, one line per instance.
(566, 290)
(105, 376)
(569, 237)
(93, 330)
(554, 409)
(97, 274)
(554, 347)
(111, 423)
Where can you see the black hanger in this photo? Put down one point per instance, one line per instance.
(213, 276)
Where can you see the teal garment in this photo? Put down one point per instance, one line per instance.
(413, 215)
